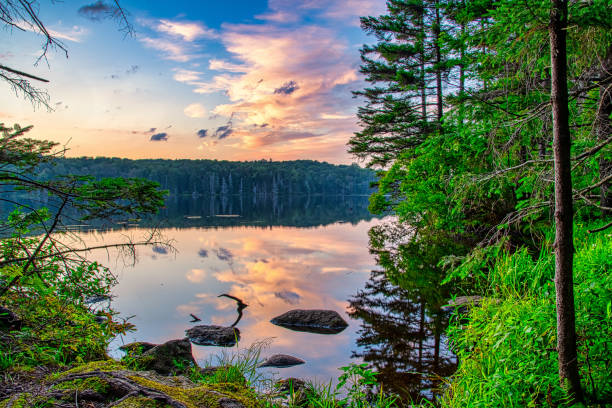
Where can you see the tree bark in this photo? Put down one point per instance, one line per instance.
(438, 69)
(564, 248)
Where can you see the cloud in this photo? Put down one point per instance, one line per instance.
(196, 275)
(321, 67)
(335, 116)
(185, 75)
(287, 88)
(159, 249)
(220, 65)
(203, 253)
(159, 137)
(288, 296)
(224, 254)
(202, 133)
(171, 50)
(97, 11)
(74, 34)
(223, 131)
(132, 70)
(195, 110)
(188, 31)
(151, 130)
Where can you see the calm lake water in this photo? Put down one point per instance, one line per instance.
(278, 254)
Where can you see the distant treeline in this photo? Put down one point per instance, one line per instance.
(214, 177)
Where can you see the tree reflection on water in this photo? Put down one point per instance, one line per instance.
(402, 327)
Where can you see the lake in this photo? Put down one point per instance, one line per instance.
(276, 254)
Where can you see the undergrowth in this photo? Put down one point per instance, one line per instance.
(507, 346)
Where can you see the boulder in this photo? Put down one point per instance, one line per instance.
(313, 321)
(280, 361)
(170, 358)
(213, 335)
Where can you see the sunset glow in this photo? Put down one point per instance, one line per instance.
(244, 81)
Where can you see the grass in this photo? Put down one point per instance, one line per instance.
(507, 348)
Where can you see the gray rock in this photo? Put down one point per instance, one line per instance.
(229, 403)
(290, 384)
(170, 358)
(313, 321)
(213, 335)
(281, 360)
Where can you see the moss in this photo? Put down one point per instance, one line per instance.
(25, 400)
(94, 384)
(140, 402)
(100, 365)
(204, 395)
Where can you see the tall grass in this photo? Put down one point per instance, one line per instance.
(507, 346)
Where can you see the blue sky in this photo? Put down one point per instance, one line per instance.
(241, 80)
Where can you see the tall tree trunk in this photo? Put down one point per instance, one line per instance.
(422, 71)
(438, 69)
(461, 64)
(564, 248)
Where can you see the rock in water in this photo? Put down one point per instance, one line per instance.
(213, 335)
(290, 384)
(281, 360)
(313, 321)
(170, 358)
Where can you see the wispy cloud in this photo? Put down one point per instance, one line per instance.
(195, 110)
(186, 75)
(187, 30)
(75, 33)
(171, 50)
(202, 133)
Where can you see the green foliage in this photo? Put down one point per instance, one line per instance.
(507, 345)
(354, 390)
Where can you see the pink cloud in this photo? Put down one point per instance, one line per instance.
(284, 79)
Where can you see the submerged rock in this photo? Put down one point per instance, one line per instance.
(313, 321)
(213, 335)
(280, 361)
(170, 358)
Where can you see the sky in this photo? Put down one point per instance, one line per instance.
(236, 80)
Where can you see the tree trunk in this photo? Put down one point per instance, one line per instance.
(438, 69)
(564, 248)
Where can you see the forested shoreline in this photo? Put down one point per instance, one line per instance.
(223, 177)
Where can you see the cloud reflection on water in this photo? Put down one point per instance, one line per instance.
(272, 270)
